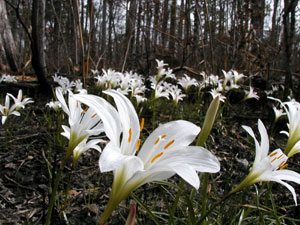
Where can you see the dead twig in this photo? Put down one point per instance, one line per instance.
(19, 185)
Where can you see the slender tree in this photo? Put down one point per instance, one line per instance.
(38, 44)
(8, 46)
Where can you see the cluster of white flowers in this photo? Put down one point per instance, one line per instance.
(8, 78)
(175, 90)
(67, 85)
(19, 103)
(125, 83)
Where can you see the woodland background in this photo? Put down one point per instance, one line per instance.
(257, 38)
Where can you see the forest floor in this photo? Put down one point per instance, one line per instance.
(28, 156)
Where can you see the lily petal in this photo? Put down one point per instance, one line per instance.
(129, 121)
(107, 113)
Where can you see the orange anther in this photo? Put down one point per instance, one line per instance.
(157, 156)
(167, 145)
(274, 153)
(284, 166)
(130, 135)
(142, 124)
(138, 145)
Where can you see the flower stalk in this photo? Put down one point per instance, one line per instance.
(209, 120)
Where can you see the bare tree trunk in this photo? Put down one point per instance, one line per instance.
(288, 36)
(258, 16)
(172, 27)
(181, 19)
(130, 32)
(138, 31)
(147, 37)
(103, 27)
(8, 43)
(274, 31)
(156, 20)
(110, 30)
(165, 22)
(38, 44)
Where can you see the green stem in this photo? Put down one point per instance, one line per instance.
(153, 115)
(67, 190)
(202, 218)
(111, 205)
(204, 194)
(54, 190)
(180, 189)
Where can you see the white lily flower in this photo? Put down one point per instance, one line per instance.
(8, 78)
(19, 103)
(55, 105)
(7, 110)
(176, 94)
(186, 82)
(113, 78)
(78, 85)
(251, 94)
(214, 93)
(169, 74)
(268, 167)
(214, 80)
(292, 109)
(64, 83)
(95, 72)
(237, 76)
(165, 152)
(85, 145)
(101, 80)
(278, 113)
(140, 98)
(293, 114)
(83, 122)
(160, 68)
(233, 85)
(228, 76)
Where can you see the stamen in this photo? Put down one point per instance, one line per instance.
(157, 140)
(280, 156)
(273, 159)
(94, 115)
(142, 124)
(138, 145)
(77, 104)
(83, 111)
(157, 156)
(130, 135)
(164, 136)
(274, 153)
(167, 145)
(281, 164)
(284, 166)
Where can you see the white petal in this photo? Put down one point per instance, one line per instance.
(15, 113)
(62, 100)
(3, 119)
(264, 142)
(129, 120)
(291, 189)
(112, 159)
(146, 176)
(93, 144)
(182, 132)
(188, 174)
(285, 132)
(66, 132)
(197, 157)
(107, 113)
(287, 175)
